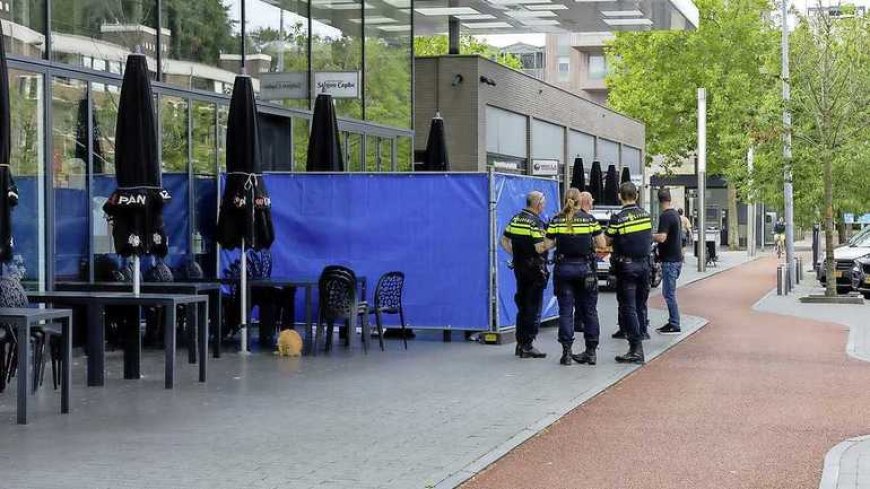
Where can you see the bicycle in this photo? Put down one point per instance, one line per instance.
(779, 244)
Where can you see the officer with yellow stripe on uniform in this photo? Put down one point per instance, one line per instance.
(575, 235)
(630, 233)
(523, 238)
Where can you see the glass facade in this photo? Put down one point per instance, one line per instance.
(63, 151)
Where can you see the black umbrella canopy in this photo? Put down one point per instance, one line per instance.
(626, 175)
(578, 175)
(82, 138)
(9, 197)
(135, 208)
(324, 148)
(611, 186)
(246, 210)
(436, 147)
(595, 183)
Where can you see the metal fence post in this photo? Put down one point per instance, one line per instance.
(780, 289)
(493, 254)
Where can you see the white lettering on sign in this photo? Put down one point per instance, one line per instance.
(125, 200)
(339, 84)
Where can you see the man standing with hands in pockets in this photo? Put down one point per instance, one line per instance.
(670, 253)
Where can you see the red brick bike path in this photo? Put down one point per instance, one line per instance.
(753, 400)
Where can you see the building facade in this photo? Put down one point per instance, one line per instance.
(498, 117)
(66, 61)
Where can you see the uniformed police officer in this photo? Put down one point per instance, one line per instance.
(630, 233)
(524, 231)
(576, 234)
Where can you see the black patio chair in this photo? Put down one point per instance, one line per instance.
(388, 300)
(339, 301)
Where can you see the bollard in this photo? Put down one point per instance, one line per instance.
(788, 281)
(800, 269)
(780, 283)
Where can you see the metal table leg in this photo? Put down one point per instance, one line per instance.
(170, 346)
(202, 327)
(190, 329)
(66, 367)
(23, 330)
(132, 343)
(96, 345)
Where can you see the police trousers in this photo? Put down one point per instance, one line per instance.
(529, 298)
(576, 286)
(632, 292)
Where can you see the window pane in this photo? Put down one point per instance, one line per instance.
(597, 67)
(69, 161)
(608, 152)
(354, 152)
(405, 157)
(98, 34)
(201, 43)
(300, 144)
(388, 65)
(27, 137)
(24, 27)
(337, 45)
(204, 163)
(174, 162)
(105, 110)
(277, 50)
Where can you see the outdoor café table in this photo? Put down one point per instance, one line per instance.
(210, 288)
(96, 301)
(22, 319)
(309, 283)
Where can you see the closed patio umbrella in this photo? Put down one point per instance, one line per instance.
(324, 147)
(626, 175)
(135, 208)
(578, 175)
(611, 186)
(436, 147)
(596, 182)
(245, 218)
(9, 196)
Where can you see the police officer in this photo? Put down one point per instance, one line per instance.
(630, 233)
(524, 239)
(576, 234)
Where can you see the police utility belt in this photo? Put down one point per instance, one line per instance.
(575, 259)
(622, 260)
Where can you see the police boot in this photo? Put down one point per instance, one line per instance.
(518, 349)
(566, 354)
(634, 355)
(529, 351)
(587, 357)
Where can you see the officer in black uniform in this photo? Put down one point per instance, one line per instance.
(524, 239)
(575, 234)
(630, 232)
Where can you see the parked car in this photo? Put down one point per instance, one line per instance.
(861, 276)
(602, 215)
(844, 261)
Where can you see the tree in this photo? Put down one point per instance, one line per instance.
(830, 104)
(655, 75)
(438, 45)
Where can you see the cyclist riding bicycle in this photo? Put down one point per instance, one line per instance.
(779, 236)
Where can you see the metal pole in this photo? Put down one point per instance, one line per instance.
(786, 149)
(702, 180)
(493, 255)
(243, 296)
(750, 214)
(136, 267)
(453, 35)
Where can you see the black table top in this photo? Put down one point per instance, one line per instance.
(110, 298)
(183, 287)
(34, 314)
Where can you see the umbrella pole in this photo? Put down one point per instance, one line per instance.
(136, 285)
(243, 296)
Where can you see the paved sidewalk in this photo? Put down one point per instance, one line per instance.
(754, 400)
(433, 415)
(847, 465)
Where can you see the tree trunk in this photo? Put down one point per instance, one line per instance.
(831, 282)
(733, 221)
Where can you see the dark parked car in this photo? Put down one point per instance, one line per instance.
(861, 276)
(844, 261)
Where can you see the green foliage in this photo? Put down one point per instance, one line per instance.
(655, 76)
(439, 45)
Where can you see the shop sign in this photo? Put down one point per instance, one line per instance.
(287, 84)
(545, 168)
(339, 84)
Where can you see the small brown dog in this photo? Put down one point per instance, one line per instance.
(289, 344)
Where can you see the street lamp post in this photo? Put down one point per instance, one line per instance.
(702, 180)
(788, 192)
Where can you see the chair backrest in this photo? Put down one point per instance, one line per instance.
(388, 293)
(338, 296)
